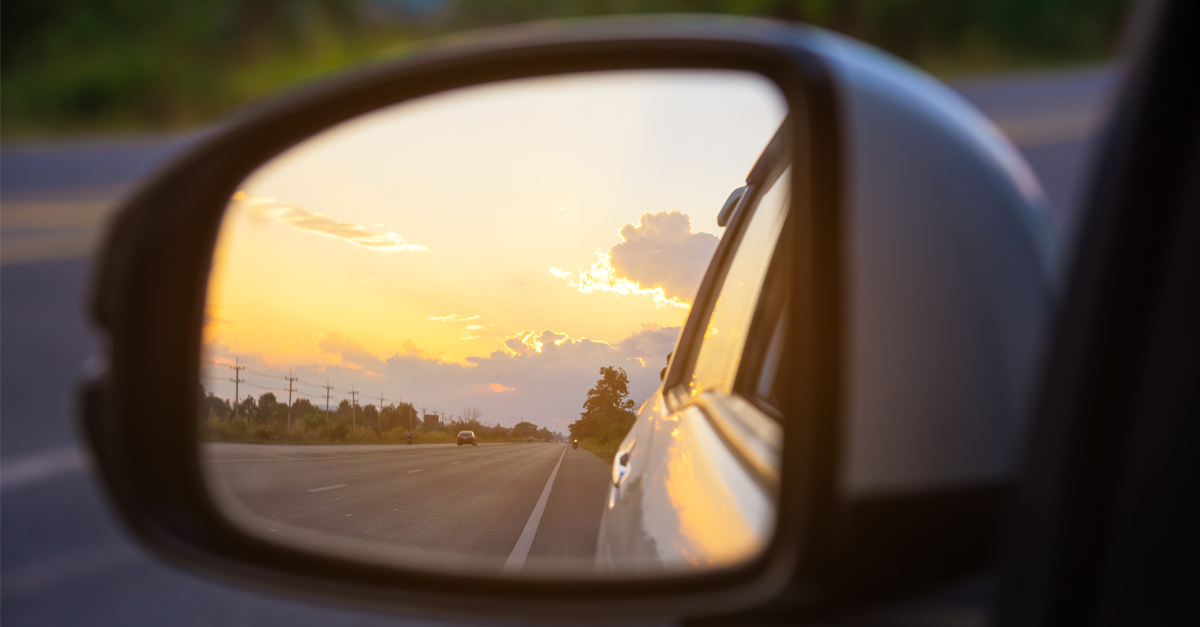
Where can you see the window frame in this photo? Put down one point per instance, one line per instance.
(766, 173)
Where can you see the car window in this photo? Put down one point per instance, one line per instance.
(728, 325)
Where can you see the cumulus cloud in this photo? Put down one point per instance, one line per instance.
(542, 376)
(349, 352)
(659, 257)
(325, 226)
(662, 251)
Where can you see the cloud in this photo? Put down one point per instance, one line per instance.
(662, 251)
(474, 327)
(652, 341)
(541, 376)
(452, 318)
(546, 374)
(325, 226)
(351, 353)
(660, 257)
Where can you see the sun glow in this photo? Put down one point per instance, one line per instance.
(602, 277)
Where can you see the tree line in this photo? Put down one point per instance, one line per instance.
(267, 415)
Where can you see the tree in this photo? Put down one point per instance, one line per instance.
(525, 430)
(470, 415)
(267, 407)
(343, 413)
(608, 411)
(371, 417)
(216, 407)
(247, 408)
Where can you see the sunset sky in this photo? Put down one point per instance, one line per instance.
(493, 246)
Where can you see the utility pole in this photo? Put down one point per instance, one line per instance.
(291, 380)
(237, 380)
(327, 388)
(379, 417)
(353, 420)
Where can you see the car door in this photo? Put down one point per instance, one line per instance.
(694, 483)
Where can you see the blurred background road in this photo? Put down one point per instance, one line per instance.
(65, 559)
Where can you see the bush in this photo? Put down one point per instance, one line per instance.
(315, 429)
(88, 65)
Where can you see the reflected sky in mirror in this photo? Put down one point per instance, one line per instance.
(438, 250)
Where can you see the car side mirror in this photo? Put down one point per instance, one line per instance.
(851, 353)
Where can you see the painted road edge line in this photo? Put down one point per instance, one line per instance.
(516, 559)
(328, 487)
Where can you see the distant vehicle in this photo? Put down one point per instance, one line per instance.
(467, 437)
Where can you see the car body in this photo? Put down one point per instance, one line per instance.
(467, 437)
(694, 479)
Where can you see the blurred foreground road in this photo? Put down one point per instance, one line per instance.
(65, 560)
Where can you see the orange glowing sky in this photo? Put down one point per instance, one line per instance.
(487, 246)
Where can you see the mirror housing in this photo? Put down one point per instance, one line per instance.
(842, 534)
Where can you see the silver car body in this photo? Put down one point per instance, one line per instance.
(952, 274)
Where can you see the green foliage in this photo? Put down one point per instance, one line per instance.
(607, 412)
(88, 65)
(313, 428)
(525, 429)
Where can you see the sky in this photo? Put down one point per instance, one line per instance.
(492, 246)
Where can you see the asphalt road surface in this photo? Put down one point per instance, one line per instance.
(66, 561)
(516, 508)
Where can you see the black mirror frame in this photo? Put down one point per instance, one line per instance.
(150, 290)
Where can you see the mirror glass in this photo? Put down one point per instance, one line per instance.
(436, 334)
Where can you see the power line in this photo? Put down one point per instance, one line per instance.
(273, 376)
(261, 387)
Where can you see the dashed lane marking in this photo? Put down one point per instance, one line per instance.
(328, 487)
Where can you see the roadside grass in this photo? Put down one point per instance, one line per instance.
(606, 451)
(332, 432)
(84, 68)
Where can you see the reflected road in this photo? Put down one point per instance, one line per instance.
(461, 501)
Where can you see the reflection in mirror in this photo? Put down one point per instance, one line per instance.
(436, 334)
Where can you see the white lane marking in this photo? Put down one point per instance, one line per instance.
(328, 487)
(417, 470)
(33, 468)
(516, 559)
(453, 463)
